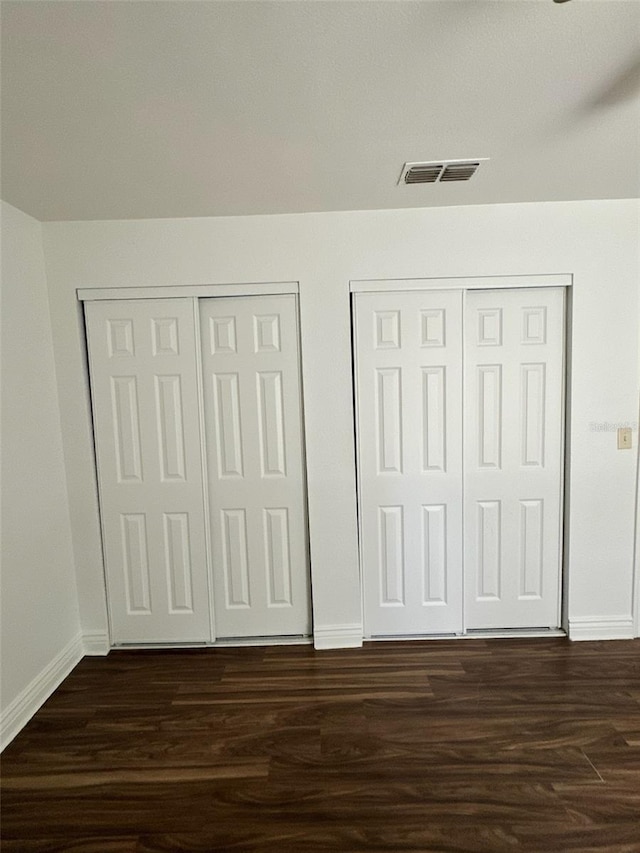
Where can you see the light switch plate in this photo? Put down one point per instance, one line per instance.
(624, 438)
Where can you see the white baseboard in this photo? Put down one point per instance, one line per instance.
(24, 706)
(96, 643)
(601, 628)
(337, 636)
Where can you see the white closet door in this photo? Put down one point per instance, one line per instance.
(513, 457)
(145, 404)
(257, 489)
(409, 411)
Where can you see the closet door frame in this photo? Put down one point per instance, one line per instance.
(194, 293)
(464, 283)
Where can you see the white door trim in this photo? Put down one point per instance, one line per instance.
(259, 288)
(489, 282)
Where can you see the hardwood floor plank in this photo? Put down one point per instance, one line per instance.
(601, 801)
(79, 845)
(475, 746)
(436, 837)
(100, 777)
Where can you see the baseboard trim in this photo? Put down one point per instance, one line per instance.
(24, 706)
(96, 643)
(601, 628)
(338, 636)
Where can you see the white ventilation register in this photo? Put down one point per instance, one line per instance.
(440, 171)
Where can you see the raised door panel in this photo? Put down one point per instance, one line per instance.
(409, 413)
(257, 496)
(513, 457)
(145, 401)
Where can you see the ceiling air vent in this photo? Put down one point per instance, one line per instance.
(437, 172)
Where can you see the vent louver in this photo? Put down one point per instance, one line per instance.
(423, 173)
(459, 172)
(437, 172)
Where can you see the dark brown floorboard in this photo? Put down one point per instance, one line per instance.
(469, 746)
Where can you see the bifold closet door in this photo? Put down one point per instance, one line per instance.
(257, 495)
(513, 457)
(409, 415)
(143, 356)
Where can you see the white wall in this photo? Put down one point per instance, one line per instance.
(595, 241)
(40, 623)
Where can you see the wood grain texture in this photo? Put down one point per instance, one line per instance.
(447, 746)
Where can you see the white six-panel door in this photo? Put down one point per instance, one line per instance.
(430, 404)
(251, 377)
(513, 457)
(409, 413)
(144, 395)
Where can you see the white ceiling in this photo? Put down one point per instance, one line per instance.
(115, 110)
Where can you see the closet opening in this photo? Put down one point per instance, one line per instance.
(460, 413)
(197, 410)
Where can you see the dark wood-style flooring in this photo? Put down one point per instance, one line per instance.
(470, 745)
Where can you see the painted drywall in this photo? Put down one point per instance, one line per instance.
(40, 618)
(637, 543)
(597, 242)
